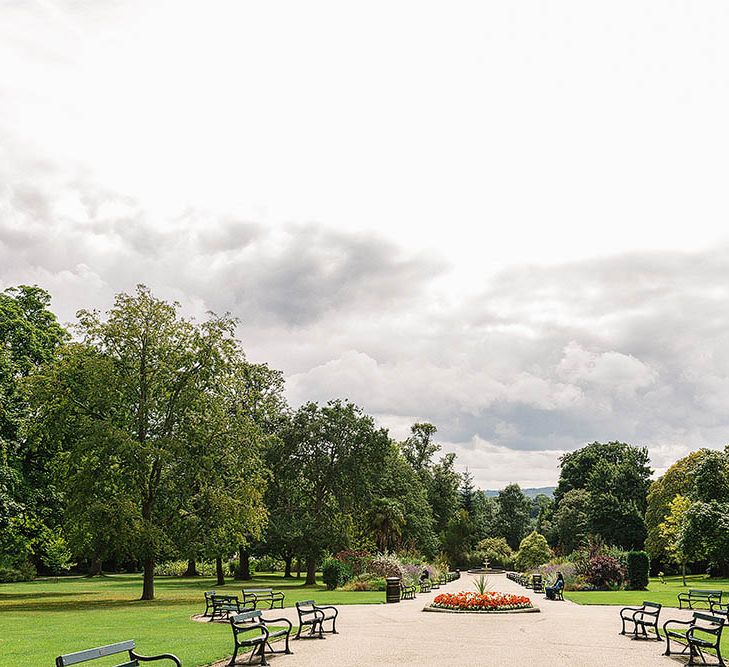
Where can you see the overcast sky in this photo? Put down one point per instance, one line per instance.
(506, 218)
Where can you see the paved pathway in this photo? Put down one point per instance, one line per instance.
(563, 634)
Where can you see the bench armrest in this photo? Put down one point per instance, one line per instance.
(161, 656)
(630, 609)
(278, 620)
(665, 625)
(318, 608)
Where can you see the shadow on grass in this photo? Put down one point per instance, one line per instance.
(85, 605)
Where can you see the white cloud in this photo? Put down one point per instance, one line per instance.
(499, 219)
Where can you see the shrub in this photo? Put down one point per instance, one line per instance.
(385, 565)
(568, 570)
(365, 582)
(533, 551)
(19, 572)
(604, 572)
(638, 566)
(356, 559)
(268, 564)
(496, 550)
(335, 573)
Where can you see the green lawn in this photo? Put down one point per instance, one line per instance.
(663, 593)
(42, 619)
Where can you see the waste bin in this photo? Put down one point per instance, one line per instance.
(393, 589)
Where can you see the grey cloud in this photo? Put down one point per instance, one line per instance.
(541, 360)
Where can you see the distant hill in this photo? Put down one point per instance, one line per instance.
(531, 492)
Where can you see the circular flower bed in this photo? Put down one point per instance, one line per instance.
(472, 601)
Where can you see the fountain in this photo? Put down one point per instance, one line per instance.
(486, 569)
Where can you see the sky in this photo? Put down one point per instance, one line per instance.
(507, 219)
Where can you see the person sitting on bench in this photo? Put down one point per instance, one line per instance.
(556, 590)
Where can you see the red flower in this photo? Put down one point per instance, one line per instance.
(472, 601)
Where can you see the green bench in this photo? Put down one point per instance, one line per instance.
(697, 596)
(256, 596)
(702, 632)
(642, 618)
(407, 592)
(250, 630)
(132, 659)
(314, 616)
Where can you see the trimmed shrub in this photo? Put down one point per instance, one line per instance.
(335, 573)
(533, 551)
(604, 572)
(638, 566)
(496, 550)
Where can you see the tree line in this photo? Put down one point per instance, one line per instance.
(140, 435)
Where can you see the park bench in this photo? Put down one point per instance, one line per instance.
(696, 596)
(255, 596)
(425, 586)
(642, 618)
(721, 609)
(537, 583)
(250, 630)
(407, 592)
(314, 616)
(703, 632)
(113, 649)
(224, 605)
(208, 602)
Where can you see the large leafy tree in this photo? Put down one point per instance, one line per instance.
(142, 396)
(570, 523)
(677, 480)
(617, 477)
(30, 336)
(514, 509)
(331, 458)
(671, 529)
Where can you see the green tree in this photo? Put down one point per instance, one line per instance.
(671, 529)
(514, 509)
(386, 519)
(711, 478)
(30, 336)
(705, 534)
(617, 477)
(496, 550)
(570, 523)
(128, 400)
(533, 551)
(677, 480)
(467, 493)
(419, 448)
(335, 454)
(458, 537)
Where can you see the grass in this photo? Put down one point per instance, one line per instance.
(42, 619)
(663, 593)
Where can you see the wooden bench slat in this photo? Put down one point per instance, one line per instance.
(98, 652)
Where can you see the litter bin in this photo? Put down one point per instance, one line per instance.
(393, 589)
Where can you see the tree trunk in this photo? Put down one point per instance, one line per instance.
(148, 587)
(95, 567)
(219, 571)
(298, 567)
(244, 565)
(287, 568)
(310, 572)
(683, 573)
(191, 570)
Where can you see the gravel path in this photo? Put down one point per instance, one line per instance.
(402, 634)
